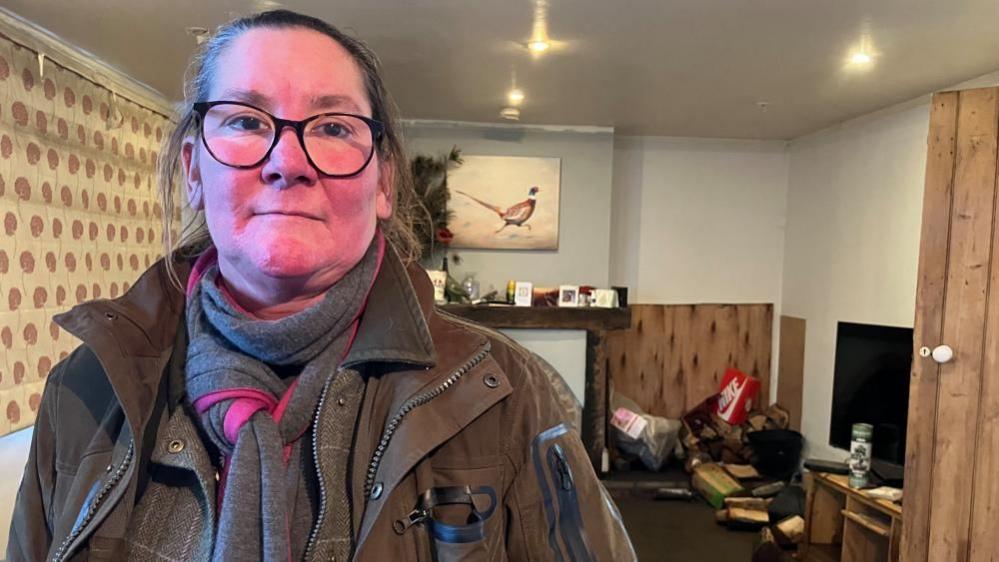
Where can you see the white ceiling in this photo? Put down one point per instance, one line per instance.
(646, 67)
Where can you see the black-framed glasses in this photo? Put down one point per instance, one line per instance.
(240, 135)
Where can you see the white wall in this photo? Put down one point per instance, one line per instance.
(853, 228)
(699, 220)
(564, 349)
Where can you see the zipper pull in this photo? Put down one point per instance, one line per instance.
(564, 473)
(415, 517)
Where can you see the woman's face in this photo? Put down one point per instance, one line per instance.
(282, 220)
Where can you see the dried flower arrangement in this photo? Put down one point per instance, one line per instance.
(430, 184)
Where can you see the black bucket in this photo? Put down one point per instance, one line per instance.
(776, 452)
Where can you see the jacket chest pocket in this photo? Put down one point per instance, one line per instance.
(457, 515)
(455, 519)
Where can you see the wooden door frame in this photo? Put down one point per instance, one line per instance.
(946, 516)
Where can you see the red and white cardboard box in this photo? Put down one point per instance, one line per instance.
(736, 395)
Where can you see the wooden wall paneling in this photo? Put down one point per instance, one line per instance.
(985, 477)
(709, 332)
(791, 367)
(723, 336)
(674, 356)
(641, 352)
(757, 333)
(673, 398)
(963, 325)
(928, 325)
(714, 332)
(694, 323)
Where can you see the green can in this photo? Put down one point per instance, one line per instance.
(860, 454)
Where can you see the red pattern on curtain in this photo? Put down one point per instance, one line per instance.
(79, 209)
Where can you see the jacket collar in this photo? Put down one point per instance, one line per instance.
(394, 325)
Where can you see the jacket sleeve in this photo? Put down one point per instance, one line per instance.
(557, 508)
(30, 529)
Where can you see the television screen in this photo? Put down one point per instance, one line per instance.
(871, 385)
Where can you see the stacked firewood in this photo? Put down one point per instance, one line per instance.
(708, 438)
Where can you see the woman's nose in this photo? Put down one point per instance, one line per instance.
(288, 164)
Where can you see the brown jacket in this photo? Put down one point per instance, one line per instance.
(461, 451)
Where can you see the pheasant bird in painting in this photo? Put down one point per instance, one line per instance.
(516, 215)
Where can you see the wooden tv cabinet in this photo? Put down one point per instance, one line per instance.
(846, 525)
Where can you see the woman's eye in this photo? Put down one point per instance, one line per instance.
(246, 123)
(333, 130)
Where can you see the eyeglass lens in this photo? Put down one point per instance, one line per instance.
(238, 135)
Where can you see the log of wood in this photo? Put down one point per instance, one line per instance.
(759, 504)
(742, 471)
(792, 528)
(741, 517)
(778, 416)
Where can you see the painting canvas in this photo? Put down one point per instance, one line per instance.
(505, 202)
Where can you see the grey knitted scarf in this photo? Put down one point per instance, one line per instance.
(229, 374)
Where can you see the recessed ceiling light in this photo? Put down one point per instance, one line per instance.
(267, 5)
(510, 113)
(860, 58)
(515, 96)
(538, 46)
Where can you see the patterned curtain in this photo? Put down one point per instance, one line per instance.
(78, 202)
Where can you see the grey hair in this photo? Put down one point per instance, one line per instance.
(195, 238)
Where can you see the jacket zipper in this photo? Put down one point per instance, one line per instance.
(411, 405)
(322, 486)
(570, 520)
(539, 449)
(63, 552)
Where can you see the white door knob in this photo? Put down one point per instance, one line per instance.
(943, 354)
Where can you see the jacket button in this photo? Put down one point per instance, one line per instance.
(340, 401)
(175, 446)
(376, 490)
(492, 381)
(110, 315)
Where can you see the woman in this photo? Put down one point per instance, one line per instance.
(283, 387)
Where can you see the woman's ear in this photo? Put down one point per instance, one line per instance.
(192, 175)
(386, 191)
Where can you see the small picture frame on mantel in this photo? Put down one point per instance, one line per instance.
(523, 293)
(568, 296)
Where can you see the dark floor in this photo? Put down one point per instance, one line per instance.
(678, 531)
(672, 531)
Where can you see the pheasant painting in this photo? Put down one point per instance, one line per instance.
(504, 203)
(518, 214)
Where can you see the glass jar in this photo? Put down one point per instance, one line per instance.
(471, 286)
